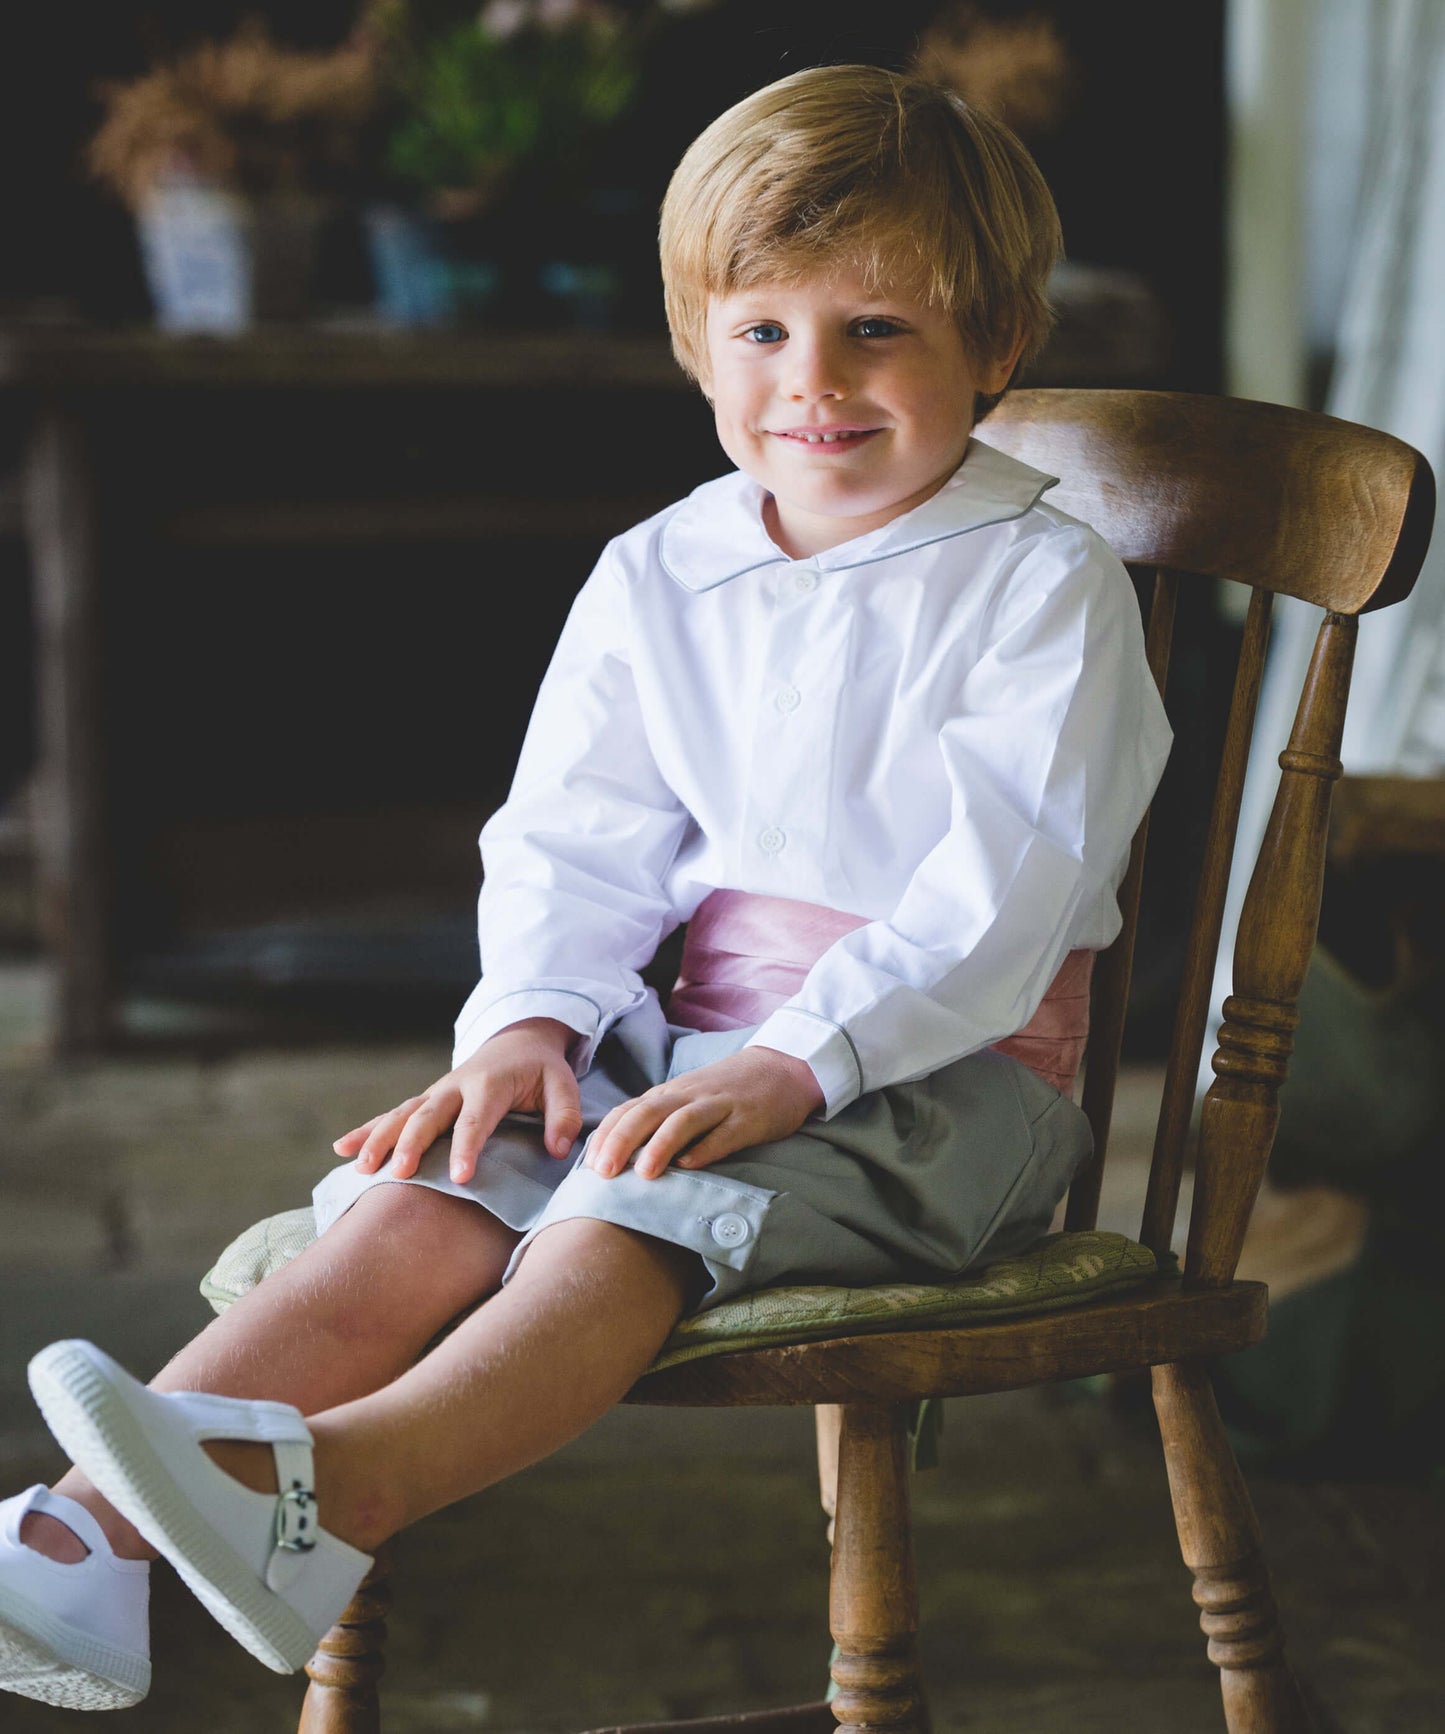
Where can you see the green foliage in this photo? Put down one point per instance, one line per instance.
(471, 105)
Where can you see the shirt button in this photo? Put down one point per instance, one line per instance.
(730, 1229)
(771, 840)
(804, 580)
(787, 698)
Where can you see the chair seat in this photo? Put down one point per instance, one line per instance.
(1160, 1321)
(1061, 1270)
(829, 1337)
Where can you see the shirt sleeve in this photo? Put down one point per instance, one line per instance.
(1052, 755)
(572, 904)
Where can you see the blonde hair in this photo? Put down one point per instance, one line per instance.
(857, 166)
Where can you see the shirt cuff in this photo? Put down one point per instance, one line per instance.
(826, 1048)
(573, 1009)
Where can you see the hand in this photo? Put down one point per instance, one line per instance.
(523, 1068)
(752, 1097)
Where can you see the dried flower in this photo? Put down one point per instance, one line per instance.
(245, 113)
(1018, 68)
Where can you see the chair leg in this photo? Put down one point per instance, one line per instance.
(345, 1670)
(828, 1421)
(1219, 1538)
(874, 1601)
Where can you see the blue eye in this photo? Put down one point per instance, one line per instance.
(877, 327)
(765, 333)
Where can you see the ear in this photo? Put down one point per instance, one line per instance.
(994, 375)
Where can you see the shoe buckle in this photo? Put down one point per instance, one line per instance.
(296, 1524)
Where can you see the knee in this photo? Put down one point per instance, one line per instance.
(439, 1251)
(416, 1210)
(584, 1246)
(418, 1224)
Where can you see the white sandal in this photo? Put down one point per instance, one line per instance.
(75, 1634)
(260, 1562)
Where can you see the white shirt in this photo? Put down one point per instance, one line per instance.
(945, 726)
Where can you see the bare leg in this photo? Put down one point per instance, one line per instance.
(587, 1311)
(351, 1312)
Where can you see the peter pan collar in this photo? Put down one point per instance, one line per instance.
(717, 532)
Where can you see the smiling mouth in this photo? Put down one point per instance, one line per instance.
(832, 436)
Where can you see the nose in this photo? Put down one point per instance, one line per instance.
(817, 367)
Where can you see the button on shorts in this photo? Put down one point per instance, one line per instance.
(915, 1182)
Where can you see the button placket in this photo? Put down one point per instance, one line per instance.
(780, 757)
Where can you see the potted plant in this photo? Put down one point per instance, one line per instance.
(227, 154)
(473, 100)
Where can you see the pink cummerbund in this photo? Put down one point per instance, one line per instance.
(745, 955)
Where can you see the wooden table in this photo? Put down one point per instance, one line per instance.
(101, 400)
(81, 386)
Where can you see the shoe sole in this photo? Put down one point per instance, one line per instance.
(43, 1658)
(92, 1422)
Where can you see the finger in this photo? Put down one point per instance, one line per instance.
(610, 1155)
(482, 1112)
(433, 1117)
(603, 1130)
(383, 1135)
(725, 1139)
(611, 1117)
(679, 1130)
(561, 1109)
(354, 1138)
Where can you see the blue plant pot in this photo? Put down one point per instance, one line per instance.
(586, 293)
(419, 279)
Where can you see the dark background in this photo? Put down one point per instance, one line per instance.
(310, 734)
(1136, 167)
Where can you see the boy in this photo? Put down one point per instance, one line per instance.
(870, 717)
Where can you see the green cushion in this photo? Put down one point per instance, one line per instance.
(1061, 1270)
(263, 1248)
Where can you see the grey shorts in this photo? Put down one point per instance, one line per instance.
(912, 1183)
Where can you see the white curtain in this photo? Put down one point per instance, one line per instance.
(1380, 76)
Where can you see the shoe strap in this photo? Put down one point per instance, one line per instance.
(298, 1523)
(73, 1515)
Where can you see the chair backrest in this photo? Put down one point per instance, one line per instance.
(1287, 503)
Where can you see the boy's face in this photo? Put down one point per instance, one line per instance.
(848, 405)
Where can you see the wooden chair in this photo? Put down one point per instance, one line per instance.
(1197, 488)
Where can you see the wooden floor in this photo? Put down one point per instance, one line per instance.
(673, 1564)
